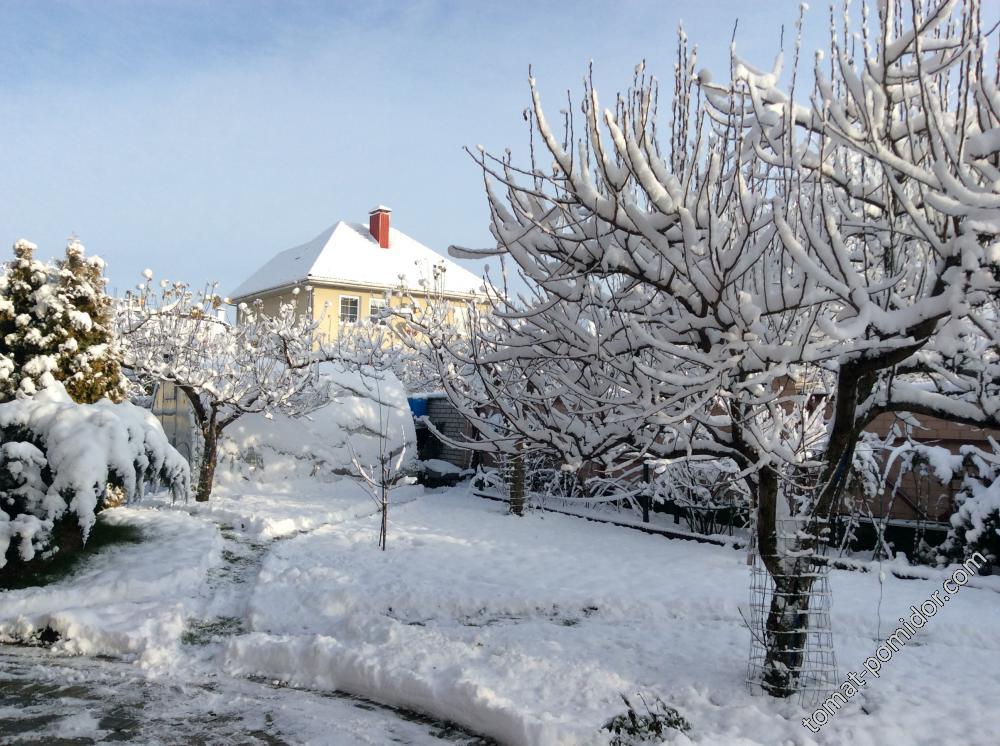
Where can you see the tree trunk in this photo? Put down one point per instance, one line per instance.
(384, 528)
(786, 630)
(517, 484)
(206, 474)
(787, 624)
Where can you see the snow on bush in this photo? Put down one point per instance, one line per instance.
(636, 728)
(58, 457)
(362, 403)
(975, 525)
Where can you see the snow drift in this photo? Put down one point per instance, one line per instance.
(363, 403)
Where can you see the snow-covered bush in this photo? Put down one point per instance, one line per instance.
(700, 483)
(545, 477)
(975, 524)
(323, 442)
(57, 459)
(633, 728)
(975, 528)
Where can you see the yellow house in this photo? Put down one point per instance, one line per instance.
(350, 272)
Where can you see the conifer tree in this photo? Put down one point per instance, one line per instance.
(89, 361)
(28, 354)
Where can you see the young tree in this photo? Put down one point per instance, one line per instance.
(373, 351)
(261, 364)
(806, 267)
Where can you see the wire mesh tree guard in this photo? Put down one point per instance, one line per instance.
(807, 652)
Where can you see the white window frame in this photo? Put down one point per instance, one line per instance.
(382, 303)
(357, 302)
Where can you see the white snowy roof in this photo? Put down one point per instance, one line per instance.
(347, 253)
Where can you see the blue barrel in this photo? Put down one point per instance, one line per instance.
(418, 406)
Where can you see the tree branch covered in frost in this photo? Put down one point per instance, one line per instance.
(760, 281)
(263, 364)
(57, 459)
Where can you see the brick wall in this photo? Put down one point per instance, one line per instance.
(941, 432)
(447, 419)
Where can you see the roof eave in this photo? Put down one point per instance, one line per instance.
(354, 285)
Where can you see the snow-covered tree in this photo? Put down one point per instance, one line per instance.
(89, 361)
(562, 373)
(29, 354)
(261, 364)
(975, 524)
(776, 274)
(57, 461)
(374, 352)
(56, 323)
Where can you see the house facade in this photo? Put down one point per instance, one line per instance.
(351, 272)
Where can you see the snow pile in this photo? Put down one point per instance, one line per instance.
(362, 404)
(527, 630)
(128, 600)
(57, 457)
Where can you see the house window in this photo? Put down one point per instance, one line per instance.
(375, 308)
(349, 305)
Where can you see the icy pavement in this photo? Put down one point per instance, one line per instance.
(50, 699)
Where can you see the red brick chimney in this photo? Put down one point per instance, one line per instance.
(378, 225)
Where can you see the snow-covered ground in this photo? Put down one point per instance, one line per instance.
(525, 630)
(268, 511)
(528, 629)
(131, 600)
(48, 699)
(142, 630)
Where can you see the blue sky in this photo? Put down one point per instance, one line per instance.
(199, 138)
